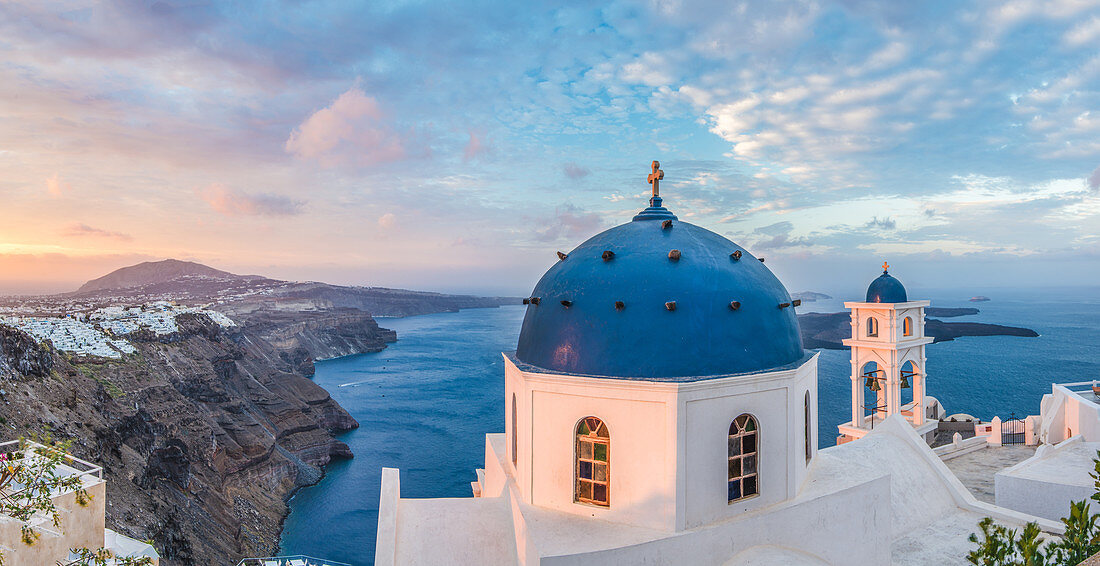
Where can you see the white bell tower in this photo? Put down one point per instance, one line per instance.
(887, 357)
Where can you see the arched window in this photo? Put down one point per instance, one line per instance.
(809, 436)
(593, 463)
(907, 327)
(872, 326)
(743, 461)
(515, 433)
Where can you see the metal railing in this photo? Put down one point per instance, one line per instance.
(89, 469)
(292, 560)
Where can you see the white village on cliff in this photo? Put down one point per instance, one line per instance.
(660, 409)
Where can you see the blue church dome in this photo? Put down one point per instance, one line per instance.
(886, 289)
(657, 298)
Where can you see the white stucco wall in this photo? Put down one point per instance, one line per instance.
(819, 527)
(81, 527)
(776, 400)
(1045, 484)
(641, 420)
(1065, 414)
(668, 441)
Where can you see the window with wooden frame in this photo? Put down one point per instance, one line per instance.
(743, 460)
(872, 327)
(593, 463)
(907, 327)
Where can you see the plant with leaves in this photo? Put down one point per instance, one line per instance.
(29, 480)
(1081, 538)
(1000, 546)
(103, 557)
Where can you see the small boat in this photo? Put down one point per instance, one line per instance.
(979, 299)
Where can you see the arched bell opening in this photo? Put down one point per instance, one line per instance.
(874, 384)
(908, 376)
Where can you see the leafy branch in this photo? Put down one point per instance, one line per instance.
(1001, 546)
(28, 483)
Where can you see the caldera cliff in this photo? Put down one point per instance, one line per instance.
(203, 434)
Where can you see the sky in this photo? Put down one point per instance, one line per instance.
(455, 146)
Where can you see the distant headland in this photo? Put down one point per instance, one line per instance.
(827, 330)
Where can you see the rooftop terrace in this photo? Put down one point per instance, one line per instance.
(295, 560)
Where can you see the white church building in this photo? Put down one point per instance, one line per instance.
(660, 409)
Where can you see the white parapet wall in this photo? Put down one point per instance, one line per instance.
(385, 548)
(1045, 484)
(1071, 409)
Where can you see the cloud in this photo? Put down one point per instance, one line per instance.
(476, 146)
(569, 223)
(387, 221)
(884, 224)
(1094, 179)
(651, 69)
(79, 230)
(236, 203)
(1085, 33)
(780, 237)
(574, 171)
(353, 129)
(56, 187)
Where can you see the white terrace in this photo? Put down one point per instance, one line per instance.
(81, 526)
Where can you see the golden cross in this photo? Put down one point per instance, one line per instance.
(655, 178)
(885, 266)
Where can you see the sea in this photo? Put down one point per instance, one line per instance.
(425, 403)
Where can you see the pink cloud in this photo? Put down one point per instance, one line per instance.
(81, 229)
(568, 222)
(1094, 179)
(476, 146)
(352, 129)
(574, 171)
(56, 186)
(236, 203)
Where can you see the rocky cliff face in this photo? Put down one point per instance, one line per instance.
(21, 355)
(203, 435)
(380, 301)
(318, 335)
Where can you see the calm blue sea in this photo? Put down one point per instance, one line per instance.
(425, 403)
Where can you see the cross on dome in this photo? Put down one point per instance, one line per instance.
(655, 177)
(885, 267)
